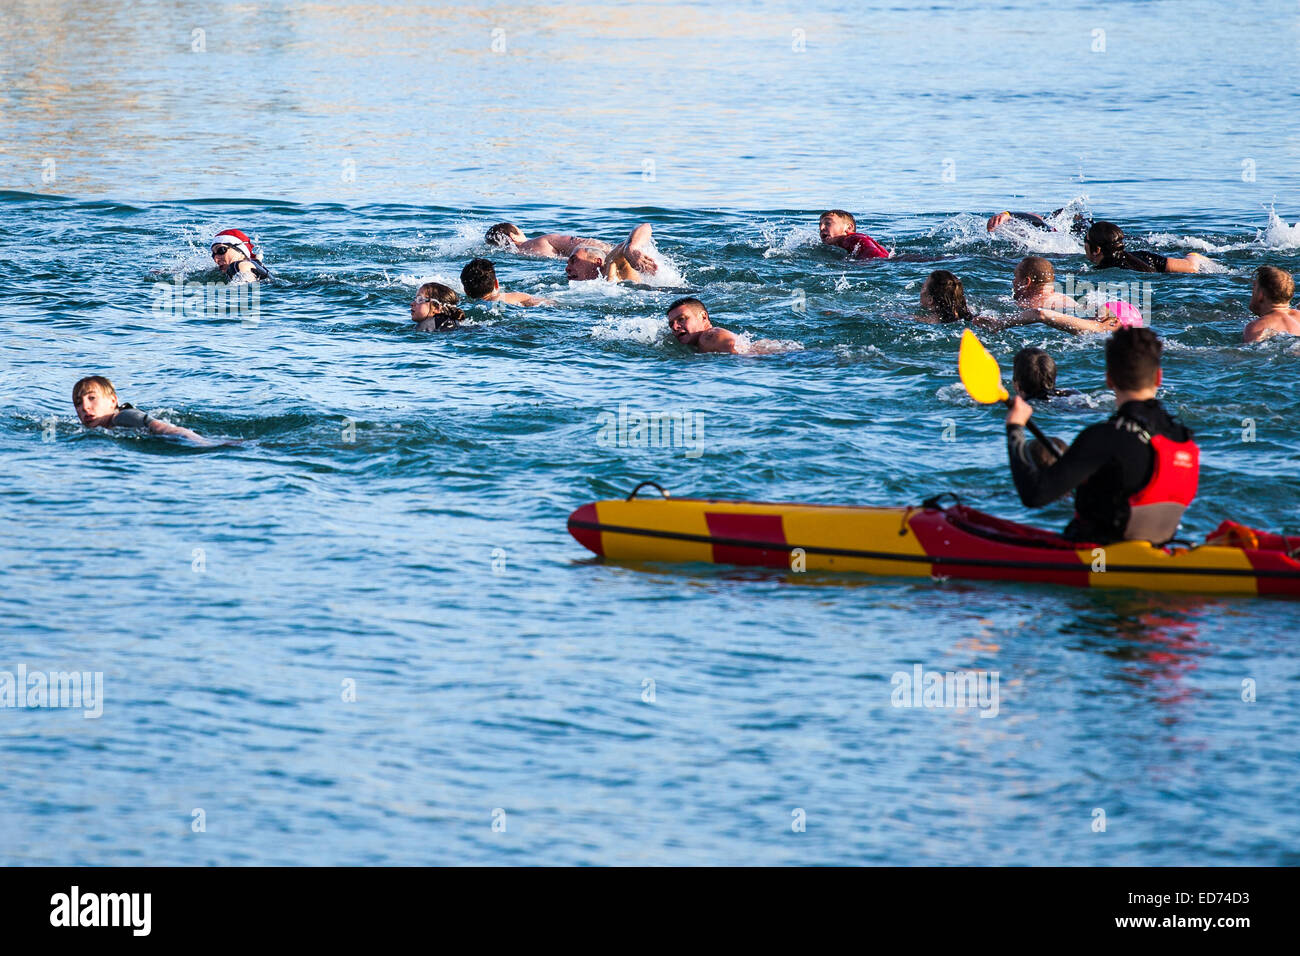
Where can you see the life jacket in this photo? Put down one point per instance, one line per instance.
(1157, 508)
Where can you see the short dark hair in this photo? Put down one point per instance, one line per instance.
(479, 278)
(1106, 236)
(948, 295)
(499, 235)
(687, 300)
(853, 223)
(1034, 372)
(1275, 283)
(1133, 358)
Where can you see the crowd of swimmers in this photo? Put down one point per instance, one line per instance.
(1132, 475)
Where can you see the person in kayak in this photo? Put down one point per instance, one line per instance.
(97, 405)
(629, 261)
(688, 319)
(237, 257)
(435, 308)
(479, 279)
(1104, 247)
(1079, 223)
(1033, 375)
(1134, 474)
(506, 235)
(839, 228)
(1270, 299)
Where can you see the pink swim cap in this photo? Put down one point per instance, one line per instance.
(1130, 316)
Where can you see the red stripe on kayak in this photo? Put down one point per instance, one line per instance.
(766, 529)
(586, 537)
(940, 539)
(1274, 561)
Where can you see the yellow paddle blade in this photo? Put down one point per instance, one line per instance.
(979, 371)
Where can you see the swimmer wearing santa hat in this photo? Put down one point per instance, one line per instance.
(237, 257)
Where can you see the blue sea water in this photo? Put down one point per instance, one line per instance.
(363, 635)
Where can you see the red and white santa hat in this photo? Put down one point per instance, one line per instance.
(233, 237)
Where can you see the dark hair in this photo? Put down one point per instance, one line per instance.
(479, 278)
(853, 223)
(448, 316)
(948, 296)
(1275, 283)
(1034, 372)
(687, 300)
(1109, 238)
(499, 235)
(1133, 358)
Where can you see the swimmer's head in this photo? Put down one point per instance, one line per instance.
(94, 397)
(942, 296)
(230, 246)
(505, 235)
(585, 263)
(1033, 373)
(1273, 287)
(688, 319)
(478, 278)
(1032, 273)
(834, 223)
(435, 307)
(1104, 240)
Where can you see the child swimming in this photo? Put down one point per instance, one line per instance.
(97, 405)
(435, 308)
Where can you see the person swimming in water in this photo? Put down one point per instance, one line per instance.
(1033, 286)
(688, 319)
(237, 257)
(479, 278)
(839, 228)
(944, 300)
(629, 261)
(435, 308)
(1079, 223)
(1270, 299)
(1104, 247)
(97, 405)
(1033, 375)
(506, 235)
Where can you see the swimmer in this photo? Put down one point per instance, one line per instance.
(1271, 301)
(1079, 224)
(435, 308)
(507, 235)
(479, 278)
(944, 300)
(237, 257)
(1033, 286)
(1033, 375)
(1104, 247)
(690, 324)
(839, 228)
(97, 406)
(629, 261)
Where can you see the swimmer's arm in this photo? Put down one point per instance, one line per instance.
(989, 323)
(998, 219)
(1192, 263)
(717, 340)
(1257, 330)
(163, 428)
(524, 299)
(1069, 323)
(628, 260)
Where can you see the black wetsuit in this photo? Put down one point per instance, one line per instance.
(1079, 225)
(259, 271)
(128, 416)
(1108, 463)
(1135, 262)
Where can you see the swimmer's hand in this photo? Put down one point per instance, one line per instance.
(641, 262)
(998, 219)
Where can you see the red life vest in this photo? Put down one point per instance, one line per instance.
(1157, 507)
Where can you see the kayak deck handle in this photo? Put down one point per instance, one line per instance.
(652, 484)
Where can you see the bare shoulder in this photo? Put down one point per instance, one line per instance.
(717, 340)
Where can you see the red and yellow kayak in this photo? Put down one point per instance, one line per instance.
(927, 541)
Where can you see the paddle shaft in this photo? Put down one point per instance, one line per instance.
(1038, 433)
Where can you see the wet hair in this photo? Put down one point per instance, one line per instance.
(1277, 284)
(479, 278)
(1034, 373)
(688, 300)
(948, 296)
(1035, 270)
(93, 381)
(500, 235)
(1109, 238)
(1039, 454)
(1133, 358)
(448, 315)
(841, 214)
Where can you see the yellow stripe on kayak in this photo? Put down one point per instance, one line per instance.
(664, 515)
(859, 529)
(1142, 553)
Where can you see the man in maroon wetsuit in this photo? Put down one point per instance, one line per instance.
(839, 228)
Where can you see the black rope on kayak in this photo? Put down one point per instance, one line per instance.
(653, 484)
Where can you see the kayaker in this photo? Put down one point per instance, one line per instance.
(1134, 474)
(1270, 299)
(97, 405)
(839, 228)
